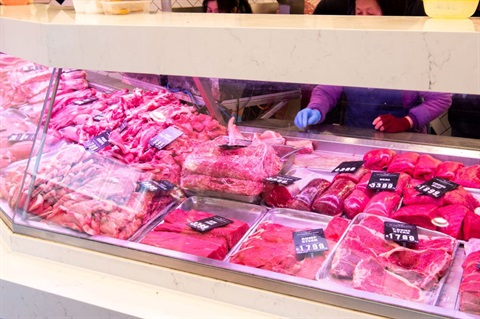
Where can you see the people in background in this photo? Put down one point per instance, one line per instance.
(389, 7)
(464, 116)
(226, 6)
(384, 110)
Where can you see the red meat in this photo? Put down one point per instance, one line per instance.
(304, 199)
(276, 195)
(454, 215)
(335, 228)
(420, 215)
(471, 226)
(196, 182)
(447, 170)
(460, 196)
(403, 182)
(426, 167)
(469, 290)
(331, 201)
(354, 177)
(404, 163)
(378, 159)
(468, 176)
(427, 242)
(413, 197)
(383, 204)
(355, 203)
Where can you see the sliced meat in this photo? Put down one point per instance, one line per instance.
(378, 159)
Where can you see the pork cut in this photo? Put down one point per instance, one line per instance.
(378, 159)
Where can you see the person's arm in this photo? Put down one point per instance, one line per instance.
(324, 98)
(432, 106)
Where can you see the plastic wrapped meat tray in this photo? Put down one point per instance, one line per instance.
(172, 232)
(364, 260)
(270, 245)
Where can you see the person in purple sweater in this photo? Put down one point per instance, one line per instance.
(389, 111)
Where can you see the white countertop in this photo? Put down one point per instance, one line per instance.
(417, 53)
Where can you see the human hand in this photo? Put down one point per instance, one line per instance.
(307, 117)
(391, 124)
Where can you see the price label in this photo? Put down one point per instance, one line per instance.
(436, 187)
(383, 181)
(348, 167)
(309, 241)
(98, 142)
(20, 137)
(209, 223)
(98, 117)
(156, 186)
(165, 137)
(230, 147)
(85, 101)
(281, 179)
(33, 67)
(400, 232)
(123, 126)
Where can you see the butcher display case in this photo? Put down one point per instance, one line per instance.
(107, 178)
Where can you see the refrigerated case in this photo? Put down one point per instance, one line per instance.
(426, 58)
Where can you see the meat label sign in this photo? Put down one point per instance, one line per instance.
(383, 181)
(436, 187)
(165, 137)
(206, 224)
(309, 241)
(348, 167)
(400, 232)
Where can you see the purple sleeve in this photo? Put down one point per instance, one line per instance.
(431, 107)
(324, 98)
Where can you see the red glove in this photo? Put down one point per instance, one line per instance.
(391, 124)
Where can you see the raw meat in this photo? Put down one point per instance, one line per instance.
(402, 183)
(383, 204)
(374, 223)
(420, 215)
(304, 199)
(335, 228)
(378, 159)
(276, 195)
(354, 177)
(371, 276)
(471, 226)
(427, 242)
(454, 215)
(331, 201)
(305, 146)
(355, 203)
(404, 163)
(426, 167)
(201, 183)
(175, 234)
(362, 185)
(468, 176)
(447, 170)
(469, 290)
(268, 137)
(411, 196)
(460, 196)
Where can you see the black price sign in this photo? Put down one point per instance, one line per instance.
(231, 147)
(436, 187)
(156, 186)
(165, 137)
(400, 232)
(98, 142)
(123, 126)
(20, 137)
(348, 167)
(85, 101)
(309, 241)
(281, 179)
(206, 224)
(383, 181)
(99, 117)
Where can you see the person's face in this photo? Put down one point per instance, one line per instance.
(212, 6)
(367, 7)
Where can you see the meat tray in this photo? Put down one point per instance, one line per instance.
(285, 217)
(428, 296)
(247, 213)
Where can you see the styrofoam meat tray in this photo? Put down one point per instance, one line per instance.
(430, 297)
(286, 217)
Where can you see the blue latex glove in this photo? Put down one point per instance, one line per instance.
(307, 117)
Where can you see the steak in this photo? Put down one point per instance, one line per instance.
(454, 215)
(304, 199)
(420, 215)
(469, 290)
(468, 176)
(354, 177)
(471, 226)
(371, 276)
(355, 203)
(331, 201)
(378, 159)
(383, 204)
(403, 163)
(448, 170)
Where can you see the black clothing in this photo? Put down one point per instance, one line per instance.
(347, 7)
(464, 115)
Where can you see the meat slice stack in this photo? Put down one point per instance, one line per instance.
(365, 260)
(175, 234)
(469, 291)
(271, 247)
(236, 171)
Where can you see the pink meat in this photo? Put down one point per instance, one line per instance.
(404, 163)
(335, 228)
(447, 170)
(378, 159)
(426, 167)
(218, 184)
(354, 177)
(383, 204)
(276, 195)
(403, 182)
(362, 185)
(433, 242)
(374, 223)
(454, 215)
(462, 197)
(468, 176)
(331, 201)
(471, 226)
(413, 197)
(355, 203)
(420, 215)
(304, 199)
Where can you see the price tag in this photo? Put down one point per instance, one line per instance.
(20, 137)
(281, 179)
(98, 117)
(436, 187)
(33, 67)
(156, 186)
(383, 181)
(209, 223)
(98, 142)
(85, 101)
(230, 147)
(400, 232)
(165, 137)
(348, 167)
(123, 126)
(309, 241)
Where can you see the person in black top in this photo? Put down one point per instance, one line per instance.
(347, 7)
(226, 6)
